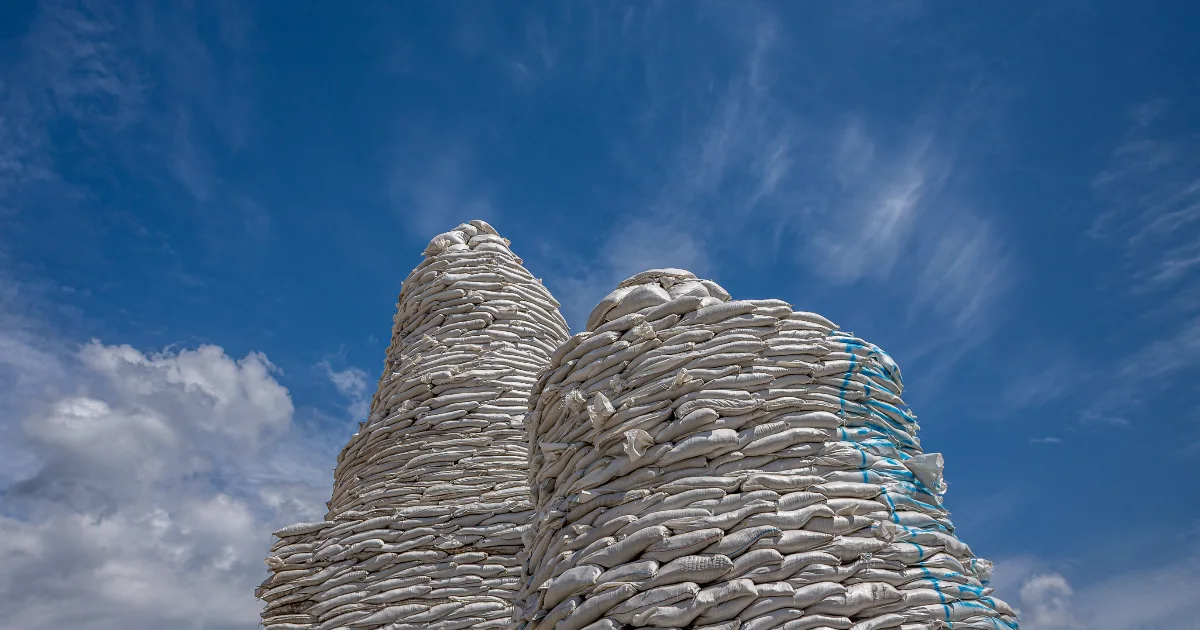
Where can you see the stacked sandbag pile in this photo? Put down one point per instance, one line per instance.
(431, 496)
(698, 462)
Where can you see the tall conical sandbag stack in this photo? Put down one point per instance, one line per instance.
(431, 497)
(700, 462)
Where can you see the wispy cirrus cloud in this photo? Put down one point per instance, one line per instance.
(1050, 379)
(71, 66)
(729, 162)
(736, 158)
(1150, 191)
(965, 275)
(1166, 356)
(539, 57)
(98, 92)
(748, 177)
(867, 207)
(1149, 201)
(883, 215)
(877, 201)
(433, 186)
(1152, 188)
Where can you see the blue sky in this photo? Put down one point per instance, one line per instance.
(206, 211)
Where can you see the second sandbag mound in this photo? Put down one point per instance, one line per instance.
(702, 462)
(431, 496)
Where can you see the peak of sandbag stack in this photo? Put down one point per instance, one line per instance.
(469, 316)
(654, 288)
(476, 235)
(430, 497)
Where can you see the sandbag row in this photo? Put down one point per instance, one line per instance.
(431, 496)
(700, 462)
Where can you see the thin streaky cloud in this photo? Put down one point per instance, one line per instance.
(1150, 195)
(146, 101)
(875, 197)
(434, 191)
(730, 164)
(1166, 355)
(1045, 380)
(1152, 191)
(965, 276)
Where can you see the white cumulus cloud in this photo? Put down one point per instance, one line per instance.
(154, 483)
(1142, 598)
(1046, 603)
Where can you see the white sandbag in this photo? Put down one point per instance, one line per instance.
(570, 582)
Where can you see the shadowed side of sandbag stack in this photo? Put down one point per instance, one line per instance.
(703, 462)
(430, 497)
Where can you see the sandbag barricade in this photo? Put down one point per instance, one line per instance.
(701, 462)
(431, 497)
